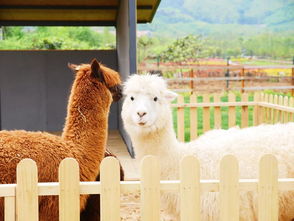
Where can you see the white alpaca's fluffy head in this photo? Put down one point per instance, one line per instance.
(146, 105)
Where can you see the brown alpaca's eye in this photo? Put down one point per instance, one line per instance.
(132, 98)
(155, 99)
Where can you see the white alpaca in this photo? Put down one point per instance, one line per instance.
(147, 117)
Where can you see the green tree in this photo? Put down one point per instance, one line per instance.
(190, 47)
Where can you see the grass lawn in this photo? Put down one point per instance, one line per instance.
(224, 115)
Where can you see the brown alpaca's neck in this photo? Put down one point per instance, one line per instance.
(87, 119)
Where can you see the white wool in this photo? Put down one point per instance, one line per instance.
(153, 134)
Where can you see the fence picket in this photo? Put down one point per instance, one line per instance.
(150, 189)
(257, 110)
(9, 211)
(268, 189)
(110, 189)
(27, 207)
(232, 111)
(244, 114)
(217, 113)
(280, 113)
(69, 190)
(229, 189)
(266, 110)
(190, 189)
(271, 111)
(206, 114)
(285, 113)
(291, 104)
(181, 119)
(275, 112)
(193, 118)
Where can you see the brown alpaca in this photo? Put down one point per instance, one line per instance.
(83, 138)
(92, 208)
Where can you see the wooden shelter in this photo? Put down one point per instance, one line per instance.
(34, 84)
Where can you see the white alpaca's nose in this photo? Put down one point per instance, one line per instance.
(141, 114)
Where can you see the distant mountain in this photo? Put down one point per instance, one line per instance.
(221, 17)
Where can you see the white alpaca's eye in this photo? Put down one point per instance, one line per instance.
(132, 98)
(155, 99)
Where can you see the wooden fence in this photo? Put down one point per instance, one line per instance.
(262, 108)
(21, 199)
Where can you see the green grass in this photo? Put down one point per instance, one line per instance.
(224, 115)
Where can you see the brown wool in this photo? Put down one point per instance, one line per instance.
(84, 136)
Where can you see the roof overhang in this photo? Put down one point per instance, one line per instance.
(70, 12)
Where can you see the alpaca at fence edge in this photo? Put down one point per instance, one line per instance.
(147, 117)
(83, 138)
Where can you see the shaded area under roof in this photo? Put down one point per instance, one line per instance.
(70, 12)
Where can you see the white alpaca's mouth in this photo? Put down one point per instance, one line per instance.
(142, 123)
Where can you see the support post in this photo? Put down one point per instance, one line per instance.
(292, 90)
(242, 81)
(192, 81)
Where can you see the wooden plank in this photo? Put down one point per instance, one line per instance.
(27, 207)
(9, 210)
(206, 114)
(271, 110)
(285, 114)
(229, 189)
(232, 111)
(257, 110)
(217, 113)
(268, 203)
(180, 119)
(244, 112)
(193, 118)
(275, 112)
(190, 188)
(266, 110)
(110, 189)
(150, 189)
(291, 104)
(280, 113)
(220, 104)
(69, 192)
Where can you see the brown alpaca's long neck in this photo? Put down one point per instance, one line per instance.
(86, 124)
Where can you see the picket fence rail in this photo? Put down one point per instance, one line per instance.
(22, 198)
(267, 108)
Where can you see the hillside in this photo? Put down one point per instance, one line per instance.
(221, 17)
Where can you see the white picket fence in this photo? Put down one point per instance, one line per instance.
(22, 198)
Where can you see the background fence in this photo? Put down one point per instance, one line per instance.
(196, 114)
(216, 78)
(25, 193)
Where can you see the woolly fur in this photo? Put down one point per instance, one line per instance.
(83, 138)
(248, 145)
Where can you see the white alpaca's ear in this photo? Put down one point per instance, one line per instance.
(170, 96)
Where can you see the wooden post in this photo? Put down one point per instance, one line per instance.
(181, 119)
(293, 77)
(229, 189)
(110, 189)
(69, 191)
(27, 207)
(268, 201)
(192, 82)
(150, 188)
(242, 81)
(190, 189)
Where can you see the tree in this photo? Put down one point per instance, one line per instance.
(188, 48)
(144, 43)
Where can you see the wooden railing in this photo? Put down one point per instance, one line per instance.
(25, 193)
(261, 108)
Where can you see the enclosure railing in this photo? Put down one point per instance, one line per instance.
(21, 199)
(214, 112)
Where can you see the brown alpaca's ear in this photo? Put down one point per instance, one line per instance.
(96, 71)
(73, 67)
